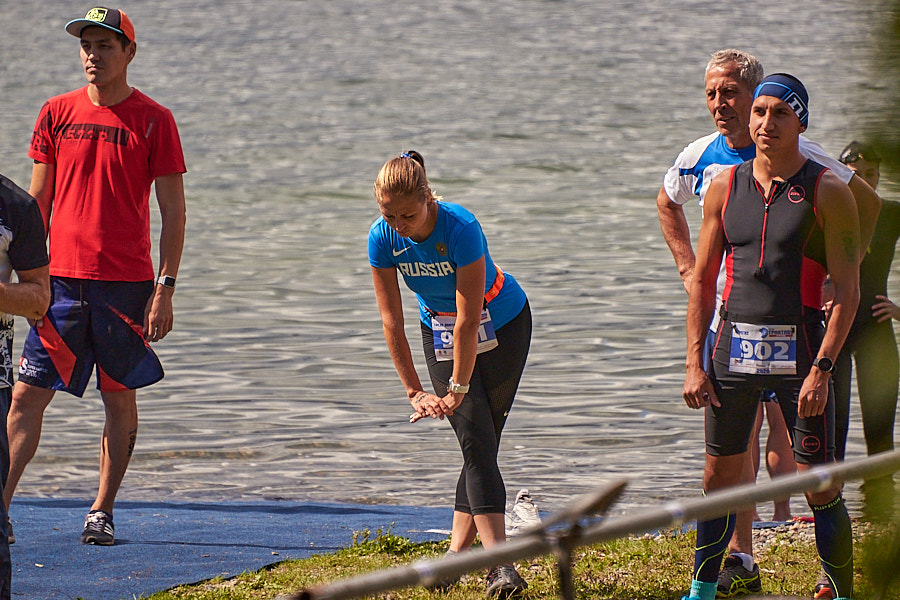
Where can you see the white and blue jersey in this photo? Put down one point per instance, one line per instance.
(703, 159)
(429, 267)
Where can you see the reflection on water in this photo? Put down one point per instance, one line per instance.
(552, 121)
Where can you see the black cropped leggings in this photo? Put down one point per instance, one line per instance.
(877, 367)
(479, 420)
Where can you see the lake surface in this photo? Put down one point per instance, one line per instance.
(553, 121)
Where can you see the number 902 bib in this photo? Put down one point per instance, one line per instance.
(763, 349)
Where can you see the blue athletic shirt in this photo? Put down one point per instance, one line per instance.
(429, 267)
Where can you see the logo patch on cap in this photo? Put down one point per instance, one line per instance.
(797, 105)
(97, 14)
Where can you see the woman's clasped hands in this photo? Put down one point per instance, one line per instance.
(434, 406)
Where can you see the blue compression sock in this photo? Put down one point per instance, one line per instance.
(712, 543)
(834, 542)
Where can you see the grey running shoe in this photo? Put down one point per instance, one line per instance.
(10, 536)
(446, 582)
(522, 516)
(735, 580)
(504, 581)
(98, 529)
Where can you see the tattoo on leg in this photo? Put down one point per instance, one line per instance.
(132, 438)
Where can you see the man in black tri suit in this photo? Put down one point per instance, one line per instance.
(782, 223)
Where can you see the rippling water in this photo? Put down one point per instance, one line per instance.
(553, 121)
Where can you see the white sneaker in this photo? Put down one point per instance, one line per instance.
(522, 515)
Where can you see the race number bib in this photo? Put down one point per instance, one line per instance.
(442, 327)
(763, 349)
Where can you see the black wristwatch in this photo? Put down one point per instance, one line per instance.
(824, 364)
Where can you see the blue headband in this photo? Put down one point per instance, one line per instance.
(788, 88)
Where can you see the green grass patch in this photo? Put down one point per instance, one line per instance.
(640, 568)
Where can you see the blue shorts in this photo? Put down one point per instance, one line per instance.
(91, 323)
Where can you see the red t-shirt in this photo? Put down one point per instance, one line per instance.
(106, 158)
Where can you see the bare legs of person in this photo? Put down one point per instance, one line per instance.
(742, 540)
(490, 527)
(779, 454)
(502, 580)
(23, 425)
(116, 445)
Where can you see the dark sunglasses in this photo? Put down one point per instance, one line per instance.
(849, 156)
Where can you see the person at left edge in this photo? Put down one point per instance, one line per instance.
(476, 331)
(22, 250)
(97, 151)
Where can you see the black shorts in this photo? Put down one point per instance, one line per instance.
(729, 426)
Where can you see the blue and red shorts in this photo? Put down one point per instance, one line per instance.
(91, 323)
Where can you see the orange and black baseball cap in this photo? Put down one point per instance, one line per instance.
(100, 16)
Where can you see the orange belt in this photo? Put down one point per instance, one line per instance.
(490, 295)
(498, 285)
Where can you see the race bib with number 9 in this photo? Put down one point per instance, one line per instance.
(763, 349)
(442, 327)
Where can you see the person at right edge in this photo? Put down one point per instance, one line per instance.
(731, 77)
(872, 344)
(782, 222)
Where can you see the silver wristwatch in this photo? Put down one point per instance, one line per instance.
(457, 388)
(166, 281)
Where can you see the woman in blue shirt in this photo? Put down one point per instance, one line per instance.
(476, 330)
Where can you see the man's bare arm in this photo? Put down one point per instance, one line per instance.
(677, 234)
(698, 390)
(159, 316)
(30, 296)
(42, 189)
(837, 214)
(868, 206)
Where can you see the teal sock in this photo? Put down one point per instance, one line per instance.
(703, 590)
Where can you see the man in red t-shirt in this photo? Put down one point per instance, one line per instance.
(96, 152)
